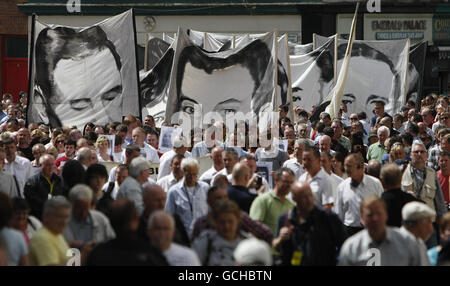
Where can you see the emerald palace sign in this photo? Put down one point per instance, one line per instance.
(416, 27)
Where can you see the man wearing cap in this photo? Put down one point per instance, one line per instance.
(378, 244)
(417, 220)
(131, 188)
(372, 138)
(253, 252)
(379, 112)
(394, 197)
(422, 182)
(179, 147)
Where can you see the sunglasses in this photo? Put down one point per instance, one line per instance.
(60, 141)
(443, 118)
(419, 152)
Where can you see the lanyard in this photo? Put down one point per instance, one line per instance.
(189, 198)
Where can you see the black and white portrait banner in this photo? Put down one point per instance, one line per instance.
(377, 72)
(83, 74)
(222, 83)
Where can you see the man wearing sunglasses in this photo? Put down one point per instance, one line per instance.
(422, 182)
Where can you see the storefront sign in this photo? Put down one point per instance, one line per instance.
(441, 29)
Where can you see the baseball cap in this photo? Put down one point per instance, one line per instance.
(252, 251)
(372, 133)
(414, 211)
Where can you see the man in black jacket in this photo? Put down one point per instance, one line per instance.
(394, 197)
(308, 235)
(42, 186)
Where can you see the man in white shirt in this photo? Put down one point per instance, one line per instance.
(352, 191)
(147, 151)
(8, 184)
(319, 180)
(378, 244)
(179, 147)
(216, 157)
(175, 176)
(161, 231)
(15, 165)
(325, 162)
(295, 164)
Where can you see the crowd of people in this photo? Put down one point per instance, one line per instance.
(353, 190)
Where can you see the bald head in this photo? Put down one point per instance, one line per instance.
(241, 174)
(303, 196)
(154, 198)
(373, 168)
(325, 143)
(84, 156)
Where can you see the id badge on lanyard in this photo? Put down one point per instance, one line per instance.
(297, 258)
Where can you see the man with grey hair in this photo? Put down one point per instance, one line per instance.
(131, 188)
(43, 185)
(417, 221)
(48, 246)
(179, 147)
(295, 164)
(377, 150)
(188, 197)
(84, 157)
(86, 226)
(325, 144)
(161, 231)
(422, 182)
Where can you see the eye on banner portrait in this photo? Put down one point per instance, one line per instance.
(377, 72)
(84, 74)
(226, 82)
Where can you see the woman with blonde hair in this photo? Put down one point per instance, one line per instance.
(102, 146)
(397, 152)
(59, 144)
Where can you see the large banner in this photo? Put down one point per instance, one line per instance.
(416, 67)
(377, 72)
(154, 87)
(81, 75)
(312, 75)
(226, 82)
